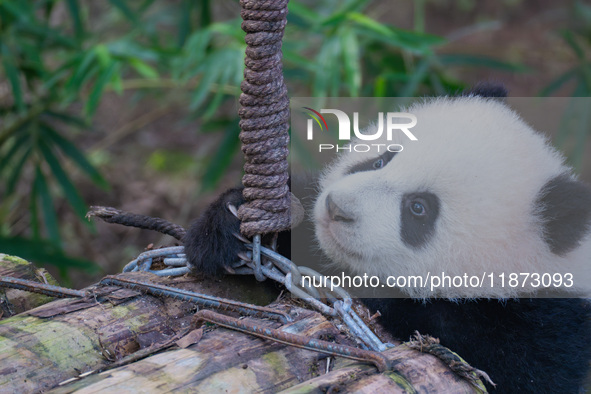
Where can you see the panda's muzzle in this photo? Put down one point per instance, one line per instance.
(336, 213)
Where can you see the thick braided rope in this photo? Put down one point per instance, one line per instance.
(264, 120)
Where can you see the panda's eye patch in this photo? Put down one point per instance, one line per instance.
(418, 216)
(373, 163)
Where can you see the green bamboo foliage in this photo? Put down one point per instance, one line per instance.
(58, 70)
(575, 127)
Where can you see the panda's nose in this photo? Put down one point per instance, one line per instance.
(335, 212)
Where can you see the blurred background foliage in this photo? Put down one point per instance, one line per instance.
(133, 103)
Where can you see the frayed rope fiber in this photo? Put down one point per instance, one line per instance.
(264, 120)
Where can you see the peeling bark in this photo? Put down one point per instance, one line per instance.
(14, 301)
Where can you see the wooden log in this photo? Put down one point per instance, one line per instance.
(62, 339)
(227, 361)
(14, 301)
(222, 360)
(107, 341)
(413, 372)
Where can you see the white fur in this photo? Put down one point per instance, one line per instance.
(487, 167)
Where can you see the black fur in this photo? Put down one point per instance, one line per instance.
(210, 244)
(565, 207)
(525, 345)
(487, 89)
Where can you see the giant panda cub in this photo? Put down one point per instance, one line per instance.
(479, 192)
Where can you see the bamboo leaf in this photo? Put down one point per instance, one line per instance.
(11, 71)
(17, 9)
(32, 63)
(48, 36)
(328, 66)
(222, 158)
(74, 10)
(117, 83)
(302, 12)
(479, 61)
(558, 82)
(410, 40)
(56, 77)
(229, 28)
(415, 79)
(18, 144)
(437, 84)
(572, 42)
(49, 216)
(293, 57)
(86, 64)
(76, 155)
(205, 16)
(203, 89)
(33, 209)
(224, 78)
(103, 55)
(371, 24)
(380, 87)
(184, 28)
(99, 87)
(143, 68)
(16, 171)
(337, 18)
(351, 60)
(129, 49)
(66, 185)
(194, 55)
(125, 10)
(69, 119)
(42, 251)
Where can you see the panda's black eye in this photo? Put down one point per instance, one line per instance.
(417, 208)
(378, 164)
(373, 163)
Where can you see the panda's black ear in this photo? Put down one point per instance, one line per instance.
(564, 205)
(486, 89)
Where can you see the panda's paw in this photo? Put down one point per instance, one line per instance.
(211, 244)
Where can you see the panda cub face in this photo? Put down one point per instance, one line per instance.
(479, 192)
